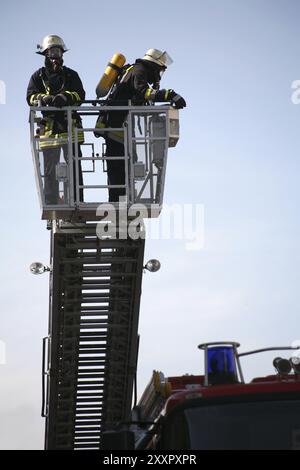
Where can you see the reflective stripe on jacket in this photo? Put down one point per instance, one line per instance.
(46, 132)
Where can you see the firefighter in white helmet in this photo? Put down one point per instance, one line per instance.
(58, 86)
(139, 83)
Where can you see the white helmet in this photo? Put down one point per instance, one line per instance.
(51, 41)
(158, 57)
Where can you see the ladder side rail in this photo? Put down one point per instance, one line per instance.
(53, 348)
(133, 333)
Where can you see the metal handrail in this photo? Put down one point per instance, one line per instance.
(45, 373)
(273, 348)
(144, 183)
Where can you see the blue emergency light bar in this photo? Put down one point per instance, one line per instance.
(222, 364)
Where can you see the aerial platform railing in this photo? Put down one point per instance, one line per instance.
(78, 169)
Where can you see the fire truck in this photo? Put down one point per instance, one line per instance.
(218, 410)
(89, 360)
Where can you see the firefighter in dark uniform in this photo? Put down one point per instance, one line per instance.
(139, 83)
(58, 86)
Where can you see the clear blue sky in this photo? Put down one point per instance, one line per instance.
(234, 62)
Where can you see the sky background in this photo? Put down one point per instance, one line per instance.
(234, 62)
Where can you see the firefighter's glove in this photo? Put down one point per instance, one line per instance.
(176, 100)
(47, 100)
(60, 100)
(170, 95)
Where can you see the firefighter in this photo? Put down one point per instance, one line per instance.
(58, 86)
(139, 83)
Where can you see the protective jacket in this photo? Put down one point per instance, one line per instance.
(134, 84)
(45, 82)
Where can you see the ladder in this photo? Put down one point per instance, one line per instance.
(95, 288)
(90, 353)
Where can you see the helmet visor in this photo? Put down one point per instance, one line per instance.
(166, 59)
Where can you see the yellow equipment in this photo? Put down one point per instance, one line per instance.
(110, 75)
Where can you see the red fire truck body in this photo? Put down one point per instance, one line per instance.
(209, 413)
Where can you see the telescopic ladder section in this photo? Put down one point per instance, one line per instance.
(95, 289)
